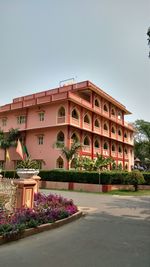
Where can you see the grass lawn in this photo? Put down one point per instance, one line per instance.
(129, 193)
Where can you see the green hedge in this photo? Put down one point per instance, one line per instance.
(146, 177)
(85, 177)
(112, 177)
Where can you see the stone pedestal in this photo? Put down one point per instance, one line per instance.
(37, 179)
(25, 193)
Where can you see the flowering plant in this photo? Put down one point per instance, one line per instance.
(47, 209)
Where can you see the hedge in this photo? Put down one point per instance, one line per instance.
(109, 177)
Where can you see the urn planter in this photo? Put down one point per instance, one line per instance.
(27, 173)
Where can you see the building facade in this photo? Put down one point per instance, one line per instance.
(79, 111)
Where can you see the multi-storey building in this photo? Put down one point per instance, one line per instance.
(79, 111)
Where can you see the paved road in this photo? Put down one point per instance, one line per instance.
(114, 233)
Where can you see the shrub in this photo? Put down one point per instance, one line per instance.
(135, 178)
(146, 177)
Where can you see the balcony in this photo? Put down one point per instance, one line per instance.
(74, 121)
(61, 119)
(106, 133)
(113, 154)
(86, 148)
(120, 155)
(105, 152)
(87, 126)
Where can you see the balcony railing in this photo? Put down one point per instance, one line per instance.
(61, 119)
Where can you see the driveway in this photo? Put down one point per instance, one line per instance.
(114, 233)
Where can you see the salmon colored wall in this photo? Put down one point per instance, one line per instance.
(47, 152)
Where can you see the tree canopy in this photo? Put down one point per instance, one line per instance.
(142, 142)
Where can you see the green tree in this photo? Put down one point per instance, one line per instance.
(9, 139)
(148, 33)
(142, 141)
(70, 153)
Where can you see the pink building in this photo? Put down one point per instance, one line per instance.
(79, 111)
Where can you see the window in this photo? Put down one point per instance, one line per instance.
(75, 114)
(41, 116)
(105, 108)
(105, 126)
(86, 141)
(113, 112)
(21, 119)
(40, 140)
(96, 124)
(4, 121)
(125, 135)
(96, 144)
(119, 132)
(74, 138)
(60, 139)
(86, 119)
(61, 112)
(60, 163)
(119, 115)
(113, 130)
(97, 103)
(113, 148)
(126, 151)
(105, 146)
(120, 149)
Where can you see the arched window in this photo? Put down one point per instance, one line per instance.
(60, 137)
(86, 141)
(105, 108)
(119, 115)
(126, 166)
(120, 149)
(97, 103)
(119, 132)
(61, 112)
(105, 126)
(113, 148)
(125, 151)
(96, 144)
(105, 146)
(59, 163)
(87, 119)
(75, 114)
(97, 123)
(113, 130)
(113, 112)
(125, 135)
(74, 138)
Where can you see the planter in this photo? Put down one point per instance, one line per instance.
(106, 188)
(27, 173)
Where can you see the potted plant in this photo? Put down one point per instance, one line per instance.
(27, 168)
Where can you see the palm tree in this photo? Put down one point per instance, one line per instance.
(8, 140)
(71, 153)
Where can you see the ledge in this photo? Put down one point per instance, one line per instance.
(43, 227)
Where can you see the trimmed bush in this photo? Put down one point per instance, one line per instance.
(146, 177)
(107, 177)
(135, 178)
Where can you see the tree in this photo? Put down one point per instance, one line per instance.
(142, 141)
(89, 164)
(71, 153)
(9, 139)
(148, 33)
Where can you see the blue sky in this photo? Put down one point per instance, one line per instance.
(105, 41)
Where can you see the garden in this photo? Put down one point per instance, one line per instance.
(47, 209)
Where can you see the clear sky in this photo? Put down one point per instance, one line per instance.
(45, 41)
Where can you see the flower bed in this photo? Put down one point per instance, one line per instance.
(47, 209)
